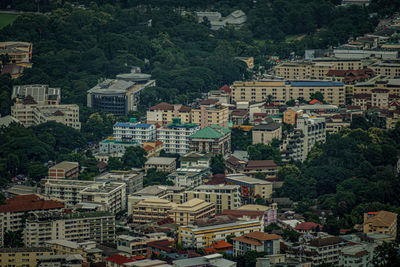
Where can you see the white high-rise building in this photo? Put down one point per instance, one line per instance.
(134, 132)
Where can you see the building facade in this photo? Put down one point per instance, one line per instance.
(139, 133)
(190, 177)
(41, 93)
(64, 170)
(27, 257)
(189, 211)
(164, 113)
(212, 139)
(210, 112)
(265, 133)
(161, 164)
(257, 241)
(250, 187)
(381, 222)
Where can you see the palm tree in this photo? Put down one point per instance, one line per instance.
(269, 99)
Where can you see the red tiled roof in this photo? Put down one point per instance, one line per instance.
(162, 106)
(209, 102)
(261, 163)
(148, 148)
(239, 112)
(119, 259)
(306, 226)
(260, 114)
(184, 109)
(29, 203)
(240, 213)
(225, 88)
(164, 245)
(315, 101)
(221, 244)
(263, 236)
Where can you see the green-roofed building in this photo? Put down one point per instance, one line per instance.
(211, 139)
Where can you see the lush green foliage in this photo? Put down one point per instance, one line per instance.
(218, 164)
(240, 140)
(154, 177)
(264, 152)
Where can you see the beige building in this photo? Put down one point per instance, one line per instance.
(283, 91)
(381, 222)
(161, 164)
(41, 93)
(212, 139)
(64, 170)
(186, 213)
(29, 113)
(151, 210)
(19, 52)
(96, 226)
(163, 113)
(72, 192)
(27, 257)
(317, 69)
(87, 249)
(250, 187)
(390, 70)
(393, 85)
(264, 133)
(210, 112)
(207, 231)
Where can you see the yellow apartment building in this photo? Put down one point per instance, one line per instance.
(283, 91)
(291, 114)
(393, 85)
(22, 256)
(316, 69)
(389, 70)
(381, 222)
(87, 249)
(163, 113)
(186, 213)
(206, 233)
(210, 112)
(151, 210)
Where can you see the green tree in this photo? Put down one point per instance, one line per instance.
(134, 157)
(218, 164)
(387, 255)
(317, 96)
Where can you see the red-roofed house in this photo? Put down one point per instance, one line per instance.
(219, 247)
(165, 249)
(257, 241)
(315, 101)
(163, 113)
(308, 227)
(15, 209)
(117, 260)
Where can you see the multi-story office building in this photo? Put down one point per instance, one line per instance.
(189, 211)
(175, 136)
(29, 113)
(250, 187)
(164, 113)
(132, 178)
(120, 95)
(15, 209)
(96, 226)
(72, 192)
(19, 52)
(64, 170)
(257, 241)
(41, 93)
(210, 112)
(283, 91)
(226, 197)
(207, 231)
(27, 257)
(212, 139)
(189, 178)
(317, 69)
(134, 132)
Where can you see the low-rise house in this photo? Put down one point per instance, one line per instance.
(118, 260)
(161, 164)
(257, 241)
(219, 247)
(165, 249)
(153, 149)
(110, 146)
(64, 170)
(240, 116)
(308, 227)
(382, 222)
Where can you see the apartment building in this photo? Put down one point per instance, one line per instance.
(210, 112)
(41, 93)
(164, 113)
(95, 226)
(64, 170)
(133, 131)
(19, 52)
(387, 69)
(137, 246)
(381, 222)
(317, 69)
(133, 179)
(208, 230)
(153, 149)
(324, 250)
(336, 122)
(161, 164)
(87, 249)
(378, 98)
(29, 113)
(291, 115)
(175, 136)
(70, 260)
(13, 211)
(110, 146)
(189, 177)
(151, 210)
(265, 132)
(121, 95)
(212, 139)
(351, 54)
(226, 197)
(72, 192)
(250, 187)
(189, 211)
(292, 147)
(195, 160)
(257, 241)
(313, 129)
(283, 91)
(27, 256)
(357, 255)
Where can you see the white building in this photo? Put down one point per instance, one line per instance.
(134, 132)
(41, 93)
(357, 255)
(189, 178)
(175, 136)
(72, 192)
(195, 160)
(132, 178)
(314, 130)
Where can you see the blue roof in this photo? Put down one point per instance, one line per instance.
(316, 83)
(132, 125)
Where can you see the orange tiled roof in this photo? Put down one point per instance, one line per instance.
(28, 203)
